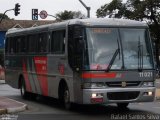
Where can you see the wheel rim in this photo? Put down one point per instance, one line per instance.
(67, 103)
(66, 97)
(22, 90)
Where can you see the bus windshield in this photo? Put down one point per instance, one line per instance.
(133, 45)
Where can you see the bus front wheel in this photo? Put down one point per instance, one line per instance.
(66, 98)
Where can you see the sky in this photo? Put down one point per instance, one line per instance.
(51, 6)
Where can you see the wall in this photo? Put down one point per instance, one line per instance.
(2, 37)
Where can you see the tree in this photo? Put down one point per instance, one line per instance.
(65, 15)
(110, 9)
(141, 10)
(78, 14)
(5, 16)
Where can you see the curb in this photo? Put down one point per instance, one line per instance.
(17, 109)
(10, 110)
(2, 82)
(157, 98)
(157, 94)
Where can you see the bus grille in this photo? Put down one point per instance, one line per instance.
(122, 95)
(119, 84)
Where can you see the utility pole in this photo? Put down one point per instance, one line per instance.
(87, 8)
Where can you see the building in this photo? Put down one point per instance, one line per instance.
(8, 24)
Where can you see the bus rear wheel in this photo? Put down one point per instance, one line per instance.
(122, 105)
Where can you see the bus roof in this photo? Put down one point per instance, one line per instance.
(108, 22)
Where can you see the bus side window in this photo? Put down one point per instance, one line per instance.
(71, 46)
(18, 44)
(13, 45)
(58, 42)
(23, 46)
(42, 43)
(32, 43)
(75, 47)
(7, 45)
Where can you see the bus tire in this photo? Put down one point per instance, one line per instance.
(23, 91)
(66, 98)
(122, 105)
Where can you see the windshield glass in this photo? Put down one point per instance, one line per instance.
(134, 41)
(104, 42)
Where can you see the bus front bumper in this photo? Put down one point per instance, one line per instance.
(118, 95)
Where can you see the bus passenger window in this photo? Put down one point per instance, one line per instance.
(13, 45)
(32, 43)
(42, 43)
(7, 45)
(58, 42)
(18, 44)
(23, 44)
(63, 46)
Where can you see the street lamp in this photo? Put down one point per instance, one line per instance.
(87, 8)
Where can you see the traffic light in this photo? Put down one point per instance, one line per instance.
(17, 9)
(34, 14)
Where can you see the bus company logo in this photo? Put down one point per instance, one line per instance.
(119, 75)
(61, 69)
(124, 84)
(40, 61)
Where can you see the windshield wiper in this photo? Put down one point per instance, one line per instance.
(140, 56)
(113, 59)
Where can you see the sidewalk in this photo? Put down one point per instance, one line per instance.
(11, 106)
(2, 82)
(157, 94)
(157, 89)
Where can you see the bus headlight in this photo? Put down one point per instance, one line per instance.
(94, 85)
(97, 98)
(148, 84)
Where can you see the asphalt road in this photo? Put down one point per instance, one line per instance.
(49, 109)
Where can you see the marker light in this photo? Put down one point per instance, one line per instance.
(150, 93)
(94, 95)
(148, 84)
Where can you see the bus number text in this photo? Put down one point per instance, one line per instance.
(145, 74)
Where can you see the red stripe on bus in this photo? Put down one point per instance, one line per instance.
(41, 71)
(26, 78)
(98, 75)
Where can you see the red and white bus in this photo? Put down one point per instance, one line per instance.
(84, 61)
